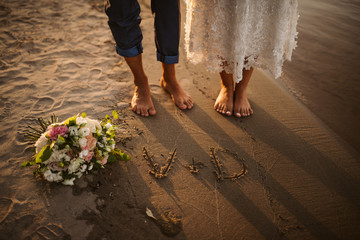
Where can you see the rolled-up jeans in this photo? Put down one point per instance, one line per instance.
(124, 21)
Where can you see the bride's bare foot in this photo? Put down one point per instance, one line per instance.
(224, 102)
(242, 106)
(141, 102)
(170, 84)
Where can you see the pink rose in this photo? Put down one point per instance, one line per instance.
(89, 156)
(91, 142)
(58, 130)
(104, 160)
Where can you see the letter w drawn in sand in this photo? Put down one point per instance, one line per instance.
(220, 174)
(155, 169)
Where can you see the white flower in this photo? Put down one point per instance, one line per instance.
(52, 177)
(74, 131)
(83, 168)
(97, 125)
(84, 131)
(41, 142)
(93, 125)
(83, 153)
(108, 125)
(91, 166)
(58, 156)
(80, 120)
(78, 174)
(75, 165)
(69, 182)
(82, 142)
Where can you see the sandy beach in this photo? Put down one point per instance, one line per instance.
(301, 179)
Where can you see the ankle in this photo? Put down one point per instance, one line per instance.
(141, 80)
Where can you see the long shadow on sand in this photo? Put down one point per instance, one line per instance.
(301, 153)
(235, 196)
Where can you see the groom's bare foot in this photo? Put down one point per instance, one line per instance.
(181, 98)
(170, 84)
(242, 106)
(224, 102)
(141, 102)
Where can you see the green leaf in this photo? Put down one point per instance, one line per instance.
(27, 163)
(115, 114)
(107, 116)
(120, 155)
(83, 114)
(111, 158)
(43, 155)
(60, 139)
(126, 157)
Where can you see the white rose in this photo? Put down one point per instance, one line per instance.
(57, 156)
(80, 120)
(83, 168)
(82, 142)
(108, 125)
(75, 165)
(73, 130)
(91, 166)
(83, 153)
(91, 124)
(52, 177)
(79, 174)
(84, 131)
(69, 182)
(41, 142)
(97, 125)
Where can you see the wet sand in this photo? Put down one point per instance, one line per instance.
(301, 178)
(325, 69)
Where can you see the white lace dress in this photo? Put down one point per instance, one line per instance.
(244, 33)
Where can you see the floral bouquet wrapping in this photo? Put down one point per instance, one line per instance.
(65, 151)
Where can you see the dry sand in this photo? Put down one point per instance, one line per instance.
(302, 180)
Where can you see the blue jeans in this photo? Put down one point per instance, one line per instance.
(124, 20)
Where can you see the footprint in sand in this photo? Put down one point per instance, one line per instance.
(161, 95)
(43, 104)
(6, 205)
(5, 108)
(51, 232)
(94, 73)
(156, 89)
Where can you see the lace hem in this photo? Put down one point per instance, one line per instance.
(235, 34)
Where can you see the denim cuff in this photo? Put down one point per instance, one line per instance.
(167, 59)
(131, 52)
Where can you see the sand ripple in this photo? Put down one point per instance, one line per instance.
(56, 57)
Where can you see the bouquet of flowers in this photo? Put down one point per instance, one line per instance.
(65, 151)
